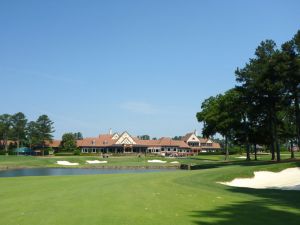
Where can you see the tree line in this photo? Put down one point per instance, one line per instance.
(263, 107)
(16, 128)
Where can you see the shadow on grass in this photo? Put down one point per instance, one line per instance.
(274, 207)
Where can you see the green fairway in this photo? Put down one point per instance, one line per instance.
(204, 161)
(183, 197)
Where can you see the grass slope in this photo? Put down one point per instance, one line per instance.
(183, 197)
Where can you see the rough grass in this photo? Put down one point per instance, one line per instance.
(183, 197)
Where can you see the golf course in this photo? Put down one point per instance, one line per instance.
(165, 197)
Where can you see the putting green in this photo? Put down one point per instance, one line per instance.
(183, 197)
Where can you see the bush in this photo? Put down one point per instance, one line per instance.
(64, 154)
(46, 151)
(77, 152)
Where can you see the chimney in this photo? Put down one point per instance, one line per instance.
(110, 131)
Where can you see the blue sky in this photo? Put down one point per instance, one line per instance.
(140, 66)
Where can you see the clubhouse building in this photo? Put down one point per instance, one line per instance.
(124, 143)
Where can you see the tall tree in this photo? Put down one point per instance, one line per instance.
(45, 129)
(18, 123)
(291, 77)
(32, 135)
(5, 130)
(263, 74)
(78, 135)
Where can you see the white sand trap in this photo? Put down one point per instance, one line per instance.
(288, 179)
(66, 163)
(175, 162)
(95, 161)
(156, 161)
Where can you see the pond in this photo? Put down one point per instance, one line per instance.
(71, 171)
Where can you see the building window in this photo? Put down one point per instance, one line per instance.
(169, 149)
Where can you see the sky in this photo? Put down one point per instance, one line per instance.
(144, 66)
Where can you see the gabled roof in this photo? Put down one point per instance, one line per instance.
(187, 136)
(125, 138)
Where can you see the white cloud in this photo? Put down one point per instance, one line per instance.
(139, 107)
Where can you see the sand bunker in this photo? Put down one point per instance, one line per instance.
(175, 162)
(66, 163)
(156, 161)
(95, 161)
(241, 157)
(288, 179)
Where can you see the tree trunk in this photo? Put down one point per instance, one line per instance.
(297, 115)
(276, 142)
(271, 127)
(248, 151)
(278, 151)
(255, 152)
(292, 150)
(226, 148)
(272, 150)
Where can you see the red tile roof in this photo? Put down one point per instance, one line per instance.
(105, 140)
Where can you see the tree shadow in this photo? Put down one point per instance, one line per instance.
(269, 206)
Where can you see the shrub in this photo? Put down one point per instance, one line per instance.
(77, 152)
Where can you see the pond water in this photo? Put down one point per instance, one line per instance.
(71, 171)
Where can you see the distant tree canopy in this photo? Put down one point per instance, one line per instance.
(68, 142)
(177, 138)
(78, 136)
(263, 108)
(144, 137)
(16, 128)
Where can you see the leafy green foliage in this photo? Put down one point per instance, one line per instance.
(68, 143)
(264, 107)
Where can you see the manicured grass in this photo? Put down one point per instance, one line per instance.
(204, 161)
(183, 197)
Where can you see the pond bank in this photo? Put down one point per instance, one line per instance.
(72, 171)
(93, 167)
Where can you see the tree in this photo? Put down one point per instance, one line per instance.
(68, 142)
(32, 134)
(263, 77)
(144, 137)
(264, 106)
(18, 123)
(44, 130)
(78, 135)
(5, 130)
(291, 77)
(220, 114)
(177, 138)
